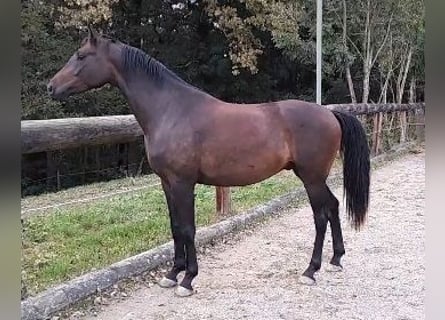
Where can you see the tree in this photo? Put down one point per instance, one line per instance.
(240, 22)
(403, 52)
(79, 13)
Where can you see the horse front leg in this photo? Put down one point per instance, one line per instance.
(170, 279)
(185, 200)
(182, 201)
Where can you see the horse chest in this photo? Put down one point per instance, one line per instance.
(167, 155)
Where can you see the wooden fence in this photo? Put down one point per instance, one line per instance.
(59, 134)
(378, 110)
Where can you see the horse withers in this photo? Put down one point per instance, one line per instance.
(192, 137)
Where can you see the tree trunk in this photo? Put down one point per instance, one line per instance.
(370, 52)
(378, 124)
(403, 73)
(384, 93)
(420, 117)
(350, 84)
(366, 55)
(347, 66)
(366, 75)
(412, 91)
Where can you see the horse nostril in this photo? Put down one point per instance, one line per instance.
(50, 88)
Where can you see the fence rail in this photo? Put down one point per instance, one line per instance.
(57, 134)
(370, 109)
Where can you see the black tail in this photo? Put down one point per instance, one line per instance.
(356, 167)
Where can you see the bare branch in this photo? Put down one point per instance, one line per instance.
(388, 29)
(355, 47)
(365, 35)
(348, 69)
(405, 74)
(347, 37)
(368, 32)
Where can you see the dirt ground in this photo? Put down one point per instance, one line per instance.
(256, 277)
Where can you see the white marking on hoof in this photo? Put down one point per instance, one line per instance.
(333, 268)
(307, 281)
(167, 283)
(183, 292)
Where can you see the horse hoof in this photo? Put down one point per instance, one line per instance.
(333, 268)
(167, 283)
(183, 292)
(307, 281)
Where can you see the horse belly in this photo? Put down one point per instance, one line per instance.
(243, 166)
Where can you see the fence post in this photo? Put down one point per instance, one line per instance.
(420, 125)
(50, 172)
(84, 163)
(223, 200)
(377, 134)
(403, 126)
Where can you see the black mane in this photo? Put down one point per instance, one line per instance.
(135, 59)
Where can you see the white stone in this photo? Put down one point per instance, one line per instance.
(167, 283)
(307, 281)
(183, 292)
(333, 268)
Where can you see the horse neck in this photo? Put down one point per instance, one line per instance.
(149, 100)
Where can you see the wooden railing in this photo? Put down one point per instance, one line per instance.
(59, 134)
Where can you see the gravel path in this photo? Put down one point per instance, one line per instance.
(256, 277)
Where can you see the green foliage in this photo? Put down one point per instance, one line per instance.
(238, 50)
(45, 51)
(185, 39)
(240, 21)
(379, 34)
(37, 67)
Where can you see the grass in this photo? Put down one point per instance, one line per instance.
(87, 191)
(66, 242)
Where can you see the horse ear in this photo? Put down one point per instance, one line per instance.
(92, 35)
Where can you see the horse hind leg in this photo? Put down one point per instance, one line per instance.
(319, 199)
(337, 237)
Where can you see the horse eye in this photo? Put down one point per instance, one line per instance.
(80, 56)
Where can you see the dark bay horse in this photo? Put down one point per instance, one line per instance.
(191, 137)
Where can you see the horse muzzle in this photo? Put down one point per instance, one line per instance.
(57, 93)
